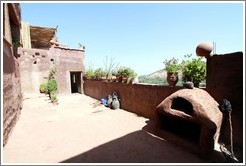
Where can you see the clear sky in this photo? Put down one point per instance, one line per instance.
(140, 35)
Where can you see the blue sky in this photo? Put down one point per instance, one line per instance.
(141, 35)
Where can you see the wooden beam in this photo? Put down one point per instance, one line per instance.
(14, 11)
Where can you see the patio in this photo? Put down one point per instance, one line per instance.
(81, 130)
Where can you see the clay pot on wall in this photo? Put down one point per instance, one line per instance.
(57, 44)
(118, 78)
(52, 42)
(204, 50)
(113, 78)
(172, 78)
(124, 79)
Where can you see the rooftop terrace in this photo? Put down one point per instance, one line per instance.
(81, 130)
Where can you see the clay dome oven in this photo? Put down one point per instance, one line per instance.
(191, 115)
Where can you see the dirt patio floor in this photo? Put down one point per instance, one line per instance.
(81, 130)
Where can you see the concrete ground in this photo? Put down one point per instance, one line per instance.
(81, 130)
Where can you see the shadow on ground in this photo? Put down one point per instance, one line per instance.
(137, 147)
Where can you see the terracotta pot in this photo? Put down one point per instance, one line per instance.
(172, 78)
(55, 102)
(118, 78)
(204, 50)
(52, 42)
(113, 78)
(124, 79)
(57, 44)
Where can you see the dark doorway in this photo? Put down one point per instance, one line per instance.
(75, 78)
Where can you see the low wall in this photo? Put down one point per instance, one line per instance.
(136, 98)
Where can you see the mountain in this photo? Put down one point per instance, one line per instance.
(158, 77)
(159, 73)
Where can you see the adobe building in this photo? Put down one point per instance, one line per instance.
(12, 95)
(41, 52)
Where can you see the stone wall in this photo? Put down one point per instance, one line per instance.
(136, 98)
(225, 81)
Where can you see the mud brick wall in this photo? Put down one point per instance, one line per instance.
(35, 65)
(34, 68)
(66, 61)
(225, 81)
(137, 98)
(12, 95)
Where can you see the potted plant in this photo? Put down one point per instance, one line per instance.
(172, 67)
(110, 69)
(120, 73)
(43, 88)
(54, 99)
(114, 75)
(132, 75)
(125, 73)
(51, 87)
(99, 74)
(89, 74)
(193, 70)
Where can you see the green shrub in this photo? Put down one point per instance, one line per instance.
(110, 67)
(52, 73)
(89, 74)
(194, 70)
(172, 65)
(43, 88)
(126, 72)
(99, 73)
(51, 85)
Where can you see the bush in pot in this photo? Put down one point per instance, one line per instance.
(114, 75)
(193, 70)
(126, 73)
(89, 74)
(100, 74)
(51, 87)
(52, 84)
(110, 68)
(54, 99)
(172, 67)
(43, 88)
